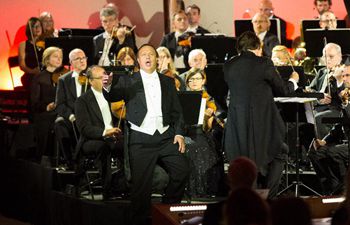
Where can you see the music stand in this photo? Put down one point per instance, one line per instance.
(244, 25)
(314, 40)
(216, 85)
(191, 106)
(286, 71)
(315, 23)
(296, 101)
(67, 44)
(64, 32)
(218, 48)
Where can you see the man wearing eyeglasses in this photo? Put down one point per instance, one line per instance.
(261, 26)
(69, 88)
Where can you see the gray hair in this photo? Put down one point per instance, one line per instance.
(195, 52)
(108, 11)
(73, 52)
(332, 45)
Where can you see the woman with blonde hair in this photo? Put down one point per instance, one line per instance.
(166, 66)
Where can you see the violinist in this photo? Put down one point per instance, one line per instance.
(43, 92)
(115, 37)
(329, 82)
(29, 54)
(48, 25)
(204, 177)
(166, 66)
(170, 41)
(70, 86)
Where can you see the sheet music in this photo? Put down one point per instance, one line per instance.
(309, 113)
(202, 111)
(294, 99)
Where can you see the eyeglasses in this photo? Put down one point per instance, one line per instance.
(259, 21)
(329, 21)
(80, 59)
(195, 79)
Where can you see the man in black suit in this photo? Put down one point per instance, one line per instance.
(194, 16)
(330, 105)
(95, 125)
(68, 90)
(154, 115)
(115, 37)
(266, 8)
(170, 41)
(261, 25)
(254, 126)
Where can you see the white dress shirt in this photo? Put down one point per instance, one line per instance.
(262, 36)
(104, 108)
(78, 86)
(104, 60)
(154, 117)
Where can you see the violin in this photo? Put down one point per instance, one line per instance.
(57, 73)
(82, 79)
(185, 39)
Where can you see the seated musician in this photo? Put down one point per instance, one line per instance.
(42, 95)
(70, 86)
(328, 21)
(330, 155)
(197, 59)
(115, 37)
(322, 6)
(205, 161)
(280, 56)
(166, 66)
(29, 53)
(97, 130)
(48, 25)
(171, 40)
(194, 16)
(329, 106)
(261, 25)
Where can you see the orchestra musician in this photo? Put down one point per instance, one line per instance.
(194, 16)
(329, 105)
(205, 162)
(48, 25)
(43, 93)
(29, 54)
(166, 66)
(115, 37)
(254, 126)
(170, 41)
(329, 156)
(156, 132)
(261, 25)
(197, 59)
(70, 87)
(322, 6)
(328, 21)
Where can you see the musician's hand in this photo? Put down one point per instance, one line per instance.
(318, 143)
(71, 118)
(112, 132)
(51, 106)
(181, 141)
(338, 72)
(209, 112)
(326, 100)
(121, 33)
(294, 76)
(107, 79)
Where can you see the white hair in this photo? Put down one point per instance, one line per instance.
(196, 52)
(73, 52)
(332, 45)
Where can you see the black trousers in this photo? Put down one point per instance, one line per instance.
(145, 152)
(43, 127)
(101, 151)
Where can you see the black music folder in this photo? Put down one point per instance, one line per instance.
(286, 71)
(191, 102)
(67, 44)
(64, 32)
(315, 24)
(315, 40)
(244, 25)
(218, 48)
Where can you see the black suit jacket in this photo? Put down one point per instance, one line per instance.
(270, 41)
(130, 88)
(99, 42)
(169, 41)
(66, 95)
(42, 92)
(254, 126)
(202, 30)
(89, 118)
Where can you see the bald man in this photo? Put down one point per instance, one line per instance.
(328, 21)
(261, 26)
(266, 8)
